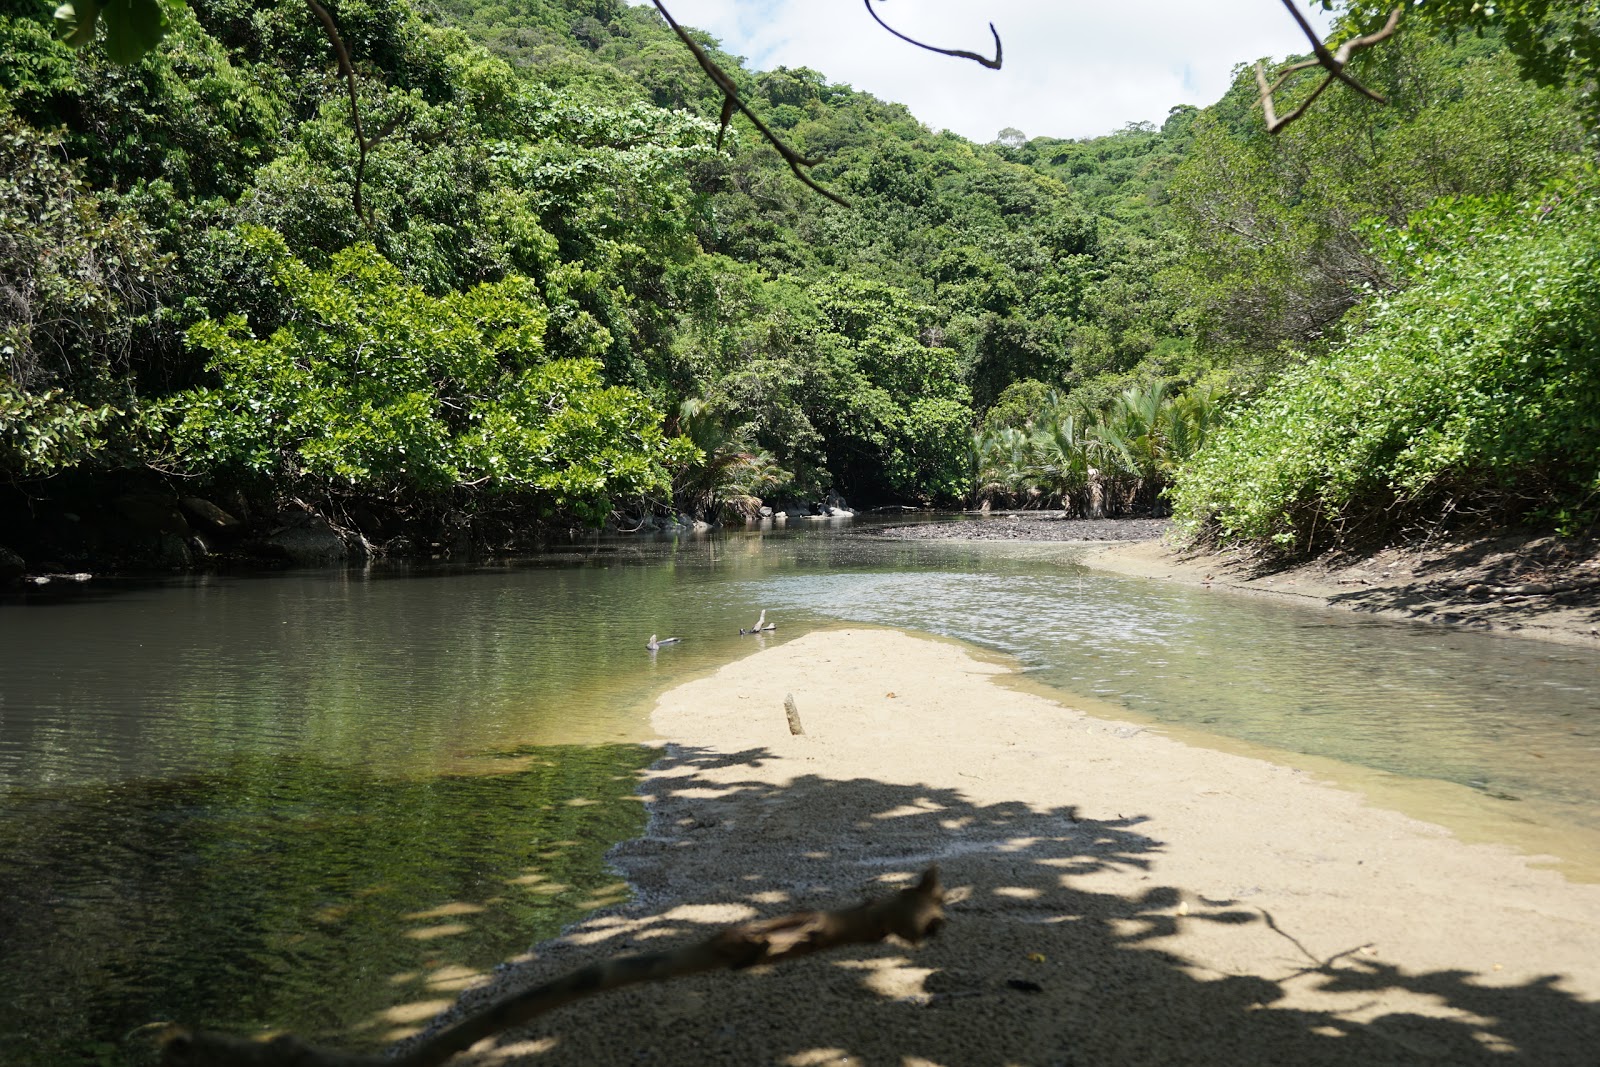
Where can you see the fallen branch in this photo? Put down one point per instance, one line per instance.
(913, 914)
(1333, 62)
(1533, 588)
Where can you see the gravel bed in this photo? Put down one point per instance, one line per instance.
(1042, 526)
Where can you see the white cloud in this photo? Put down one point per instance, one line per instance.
(1073, 68)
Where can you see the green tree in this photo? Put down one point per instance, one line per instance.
(372, 388)
(1471, 392)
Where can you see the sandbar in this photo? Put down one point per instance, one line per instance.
(1122, 897)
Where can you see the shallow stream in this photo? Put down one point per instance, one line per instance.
(221, 797)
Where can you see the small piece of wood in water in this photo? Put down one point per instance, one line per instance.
(793, 713)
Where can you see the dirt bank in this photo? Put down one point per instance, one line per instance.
(1125, 898)
(1531, 584)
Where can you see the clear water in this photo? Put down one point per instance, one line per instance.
(221, 797)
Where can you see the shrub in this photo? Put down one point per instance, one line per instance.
(1475, 388)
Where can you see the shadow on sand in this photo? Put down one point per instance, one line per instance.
(1036, 965)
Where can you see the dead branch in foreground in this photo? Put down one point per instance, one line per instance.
(992, 64)
(912, 914)
(1333, 62)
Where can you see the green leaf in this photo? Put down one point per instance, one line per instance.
(75, 22)
(133, 27)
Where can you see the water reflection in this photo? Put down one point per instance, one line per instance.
(287, 892)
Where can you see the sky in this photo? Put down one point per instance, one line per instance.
(1072, 68)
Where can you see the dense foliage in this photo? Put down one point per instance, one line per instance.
(1475, 389)
(1094, 463)
(532, 285)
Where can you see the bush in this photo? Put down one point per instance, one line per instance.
(1476, 388)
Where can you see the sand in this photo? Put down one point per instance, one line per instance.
(1123, 897)
(1526, 584)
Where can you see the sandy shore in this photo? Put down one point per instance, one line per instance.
(1125, 898)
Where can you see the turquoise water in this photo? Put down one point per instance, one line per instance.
(222, 796)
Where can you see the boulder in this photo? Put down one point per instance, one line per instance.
(147, 515)
(12, 566)
(307, 540)
(205, 515)
(170, 551)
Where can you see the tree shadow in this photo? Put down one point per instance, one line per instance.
(1037, 965)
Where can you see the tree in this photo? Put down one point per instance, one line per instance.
(1555, 42)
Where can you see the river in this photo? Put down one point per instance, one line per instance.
(223, 797)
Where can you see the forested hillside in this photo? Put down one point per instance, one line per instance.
(533, 289)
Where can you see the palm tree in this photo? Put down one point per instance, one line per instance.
(732, 470)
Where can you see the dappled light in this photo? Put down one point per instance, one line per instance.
(1086, 972)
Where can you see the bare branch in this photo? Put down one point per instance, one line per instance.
(349, 71)
(992, 64)
(1333, 62)
(731, 102)
(913, 914)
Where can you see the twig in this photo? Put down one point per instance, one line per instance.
(731, 102)
(912, 914)
(992, 64)
(1333, 62)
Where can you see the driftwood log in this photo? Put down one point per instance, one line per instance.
(793, 712)
(912, 914)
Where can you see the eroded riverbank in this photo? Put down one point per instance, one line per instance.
(1125, 898)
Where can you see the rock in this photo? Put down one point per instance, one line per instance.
(307, 540)
(170, 551)
(12, 566)
(766, 512)
(701, 527)
(148, 514)
(206, 515)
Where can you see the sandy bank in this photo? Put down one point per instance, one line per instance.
(1529, 585)
(1128, 899)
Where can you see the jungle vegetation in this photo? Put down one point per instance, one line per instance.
(534, 287)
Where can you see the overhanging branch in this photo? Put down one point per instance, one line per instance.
(363, 146)
(1333, 62)
(992, 64)
(732, 102)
